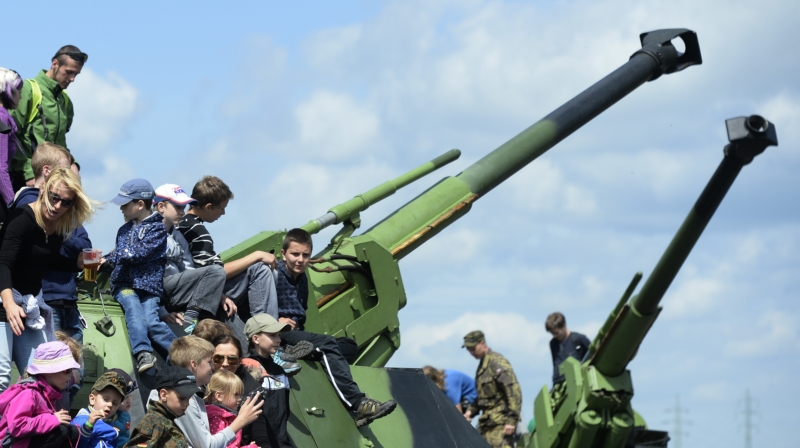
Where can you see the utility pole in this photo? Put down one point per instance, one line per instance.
(749, 411)
(677, 433)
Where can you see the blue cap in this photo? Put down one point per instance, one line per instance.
(134, 190)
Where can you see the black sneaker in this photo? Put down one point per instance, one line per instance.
(145, 361)
(297, 351)
(369, 410)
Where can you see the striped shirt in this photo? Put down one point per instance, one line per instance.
(200, 243)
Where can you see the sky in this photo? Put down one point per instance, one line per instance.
(301, 105)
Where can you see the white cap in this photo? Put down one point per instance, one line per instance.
(173, 193)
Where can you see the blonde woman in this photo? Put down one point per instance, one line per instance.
(10, 88)
(31, 241)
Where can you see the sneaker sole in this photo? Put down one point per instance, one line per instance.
(301, 350)
(145, 367)
(383, 413)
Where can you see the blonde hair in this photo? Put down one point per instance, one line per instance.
(82, 208)
(73, 345)
(48, 154)
(224, 382)
(186, 349)
(437, 376)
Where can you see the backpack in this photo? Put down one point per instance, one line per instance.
(36, 109)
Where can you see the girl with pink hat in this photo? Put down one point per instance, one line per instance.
(29, 416)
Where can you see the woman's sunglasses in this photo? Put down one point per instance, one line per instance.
(219, 359)
(55, 199)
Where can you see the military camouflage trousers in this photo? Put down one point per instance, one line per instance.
(494, 435)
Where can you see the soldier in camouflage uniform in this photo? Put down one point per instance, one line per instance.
(499, 395)
(157, 429)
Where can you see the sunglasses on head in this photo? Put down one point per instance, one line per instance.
(132, 386)
(55, 199)
(233, 360)
(74, 55)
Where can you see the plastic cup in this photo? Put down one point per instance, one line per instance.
(91, 261)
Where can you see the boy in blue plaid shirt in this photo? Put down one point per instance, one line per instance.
(138, 271)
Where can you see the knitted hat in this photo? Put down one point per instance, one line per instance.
(52, 357)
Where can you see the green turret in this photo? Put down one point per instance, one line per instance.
(592, 406)
(355, 285)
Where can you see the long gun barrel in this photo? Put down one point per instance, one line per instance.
(451, 198)
(749, 136)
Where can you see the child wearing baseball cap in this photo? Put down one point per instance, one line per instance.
(95, 421)
(27, 407)
(188, 289)
(175, 387)
(137, 265)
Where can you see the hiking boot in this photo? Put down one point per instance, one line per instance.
(300, 350)
(369, 410)
(290, 368)
(145, 361)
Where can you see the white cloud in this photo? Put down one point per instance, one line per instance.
(332, 126)
(695, 296)
(541, 187)
(503, 331)
(775, 333)
(104, 106)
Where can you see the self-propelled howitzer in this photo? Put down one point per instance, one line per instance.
(592, 406)
(355, 285)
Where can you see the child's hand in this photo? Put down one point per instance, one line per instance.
(63, 417)
(97, 414)
(286, 320)
(268, 259)
(251, 409)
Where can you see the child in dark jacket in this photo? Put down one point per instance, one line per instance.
(175, 386)
(29, 417)
(269, 430)
(95, 421)
(137, 265)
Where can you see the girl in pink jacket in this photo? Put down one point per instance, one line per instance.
(223, 397)
(30, 417)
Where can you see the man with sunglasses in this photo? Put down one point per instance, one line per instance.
(45, 112)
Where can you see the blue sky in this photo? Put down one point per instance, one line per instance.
(299, 106)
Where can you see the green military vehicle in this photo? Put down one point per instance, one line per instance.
(356, 290)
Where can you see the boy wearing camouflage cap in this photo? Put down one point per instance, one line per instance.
(175, 387)
(94, 422)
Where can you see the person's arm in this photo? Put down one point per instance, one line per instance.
(194, 424)
(23, 423)
(6, 190)
(201, 246)
(509, 387)
(16, 233)
(151, 246)
(236, 267)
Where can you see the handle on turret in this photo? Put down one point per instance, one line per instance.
(749, 136)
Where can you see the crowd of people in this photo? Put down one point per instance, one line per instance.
(495, 393)
(230, 333)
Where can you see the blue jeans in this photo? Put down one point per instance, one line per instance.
(18, 349)
(67, 319)
(141, 316)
